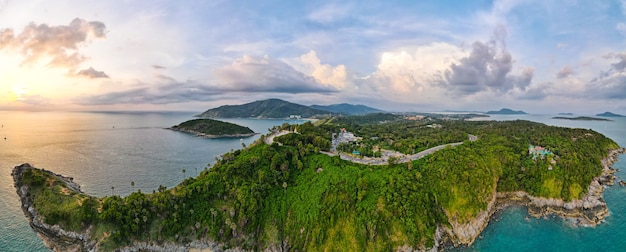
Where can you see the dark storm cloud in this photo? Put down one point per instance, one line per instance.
(59, 43)
(92, 73)
(488, 67)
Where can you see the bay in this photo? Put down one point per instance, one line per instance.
(101, 151)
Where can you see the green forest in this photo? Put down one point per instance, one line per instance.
(292, 196)
(212, 127)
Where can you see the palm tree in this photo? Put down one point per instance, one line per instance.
(112, 188)
(184, 173)
(132, 183)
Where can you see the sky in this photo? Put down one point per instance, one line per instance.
(539, 56)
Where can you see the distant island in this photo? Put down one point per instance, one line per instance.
(213, 129)
(322, 186)
(506, 111)
(277, 108)
(609, 114)
(581, 118)
(567, 114)
(347, 109)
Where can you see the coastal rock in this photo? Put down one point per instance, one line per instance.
(588, 211)
(53, 236)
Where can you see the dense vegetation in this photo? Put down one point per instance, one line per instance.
(291, 196)
(271, 108)
(347, 109)
(212, 127)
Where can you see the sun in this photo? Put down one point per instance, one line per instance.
(20, 92)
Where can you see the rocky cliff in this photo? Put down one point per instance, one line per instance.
(588, 211)
(53, 236)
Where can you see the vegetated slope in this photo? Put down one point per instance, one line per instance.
(212, 128)
(347, 109)
(271, 108)
(292, 197)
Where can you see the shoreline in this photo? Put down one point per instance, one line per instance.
(200, 134)
(588, 211)
(53, 236)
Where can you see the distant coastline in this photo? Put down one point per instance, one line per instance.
(581, 118)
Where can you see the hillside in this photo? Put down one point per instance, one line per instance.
(347, 109)
(291, 196)
(506, 111)
(271, 108)
(213, 128)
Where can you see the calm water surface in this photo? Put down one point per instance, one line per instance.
(101, 150)
(104, 150)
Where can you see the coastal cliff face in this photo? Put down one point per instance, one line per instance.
(588, 211)
(591, 210)
(53, 236)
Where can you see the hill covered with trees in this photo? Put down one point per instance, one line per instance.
(270, 108)
(292, 196)
(213, 128)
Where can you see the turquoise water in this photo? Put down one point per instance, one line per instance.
(101, 150)
(513, 230)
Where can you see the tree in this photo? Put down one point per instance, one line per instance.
(112, 188)
(184, 173)
(132, 183)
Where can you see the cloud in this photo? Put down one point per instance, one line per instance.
(158, 67)
(92, 73)
(167, 92)
(265, 74)
(324, 73)
(57, 46)
(610, 84)
(565, 72)
(487, 68)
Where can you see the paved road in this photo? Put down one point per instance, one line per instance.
(373, 161)
(269, 139)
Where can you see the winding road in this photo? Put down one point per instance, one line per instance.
(402, 158)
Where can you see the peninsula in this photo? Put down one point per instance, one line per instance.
(213, 129)
(302, 191)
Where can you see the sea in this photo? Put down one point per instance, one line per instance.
(107, 151)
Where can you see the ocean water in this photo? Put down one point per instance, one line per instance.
(104, 150)
(513, 230)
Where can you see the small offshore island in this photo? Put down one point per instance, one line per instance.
(314, 187)
(210, 128)
(581, 118)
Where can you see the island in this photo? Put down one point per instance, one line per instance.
(506, 111)
(566, 114)
(581, 118)
(210, 128)
(609, 114)
(349, 183)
